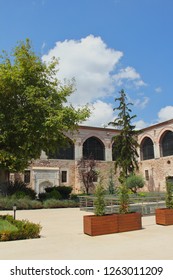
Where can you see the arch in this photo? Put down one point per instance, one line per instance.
(44, 185)
(66, 152)
(93, 146)
(146, 149)
(166, 143)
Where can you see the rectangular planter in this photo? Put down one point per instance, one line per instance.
(164, 216)
(129, 221)
(98, 225)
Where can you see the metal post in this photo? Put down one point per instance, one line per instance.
(14, 209)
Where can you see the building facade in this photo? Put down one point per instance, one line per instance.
(61, 168)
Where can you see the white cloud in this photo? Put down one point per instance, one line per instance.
(102, 114)
(141, 103)
(129, 74)
(95, 69)
(140, 124)
(165, 113)
(158, 89)
(90, 62)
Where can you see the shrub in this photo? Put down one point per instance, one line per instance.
(123, 199)
(74, 197)
(25, 229)
(54, 203)
(63, 190)
(99, 202)
(17, 188)
(35, 204)
(134, 182)
(50, 203)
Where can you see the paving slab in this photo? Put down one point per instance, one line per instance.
(62, 238)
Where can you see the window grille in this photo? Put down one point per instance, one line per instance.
(64, 176)
(147, 149)
(63, 153)
(167, 144)
(94, 147)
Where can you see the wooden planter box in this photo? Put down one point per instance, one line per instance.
(129, 221)
(98, 225)
(164, 216)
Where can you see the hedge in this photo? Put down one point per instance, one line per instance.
(25, 229)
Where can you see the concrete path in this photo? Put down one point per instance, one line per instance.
(62, 238)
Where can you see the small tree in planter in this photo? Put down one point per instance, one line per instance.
(99, 202)
(127, 220)
(125, 151)
(164, 216)
(100, 223)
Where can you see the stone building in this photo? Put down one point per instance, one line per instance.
(61, 168)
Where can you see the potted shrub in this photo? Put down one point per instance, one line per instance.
(100, 223)
(127, 220)
(164, 216)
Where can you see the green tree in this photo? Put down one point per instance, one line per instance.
(125, 143)
(99, 202)
(111, 183)
(135, 182)
(34, 113)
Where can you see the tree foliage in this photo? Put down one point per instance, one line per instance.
(125, 143)
(134, 182)
(169, 193)
(99, 202)
(34, 112)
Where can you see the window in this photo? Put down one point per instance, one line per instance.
(147, 150)
(27, 176)
(95, 148)
(66, 152)
(167, 144)
(64, 176)
(146, 175)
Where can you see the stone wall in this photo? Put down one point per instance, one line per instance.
(154, 170)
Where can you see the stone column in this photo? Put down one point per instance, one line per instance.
(156, 150)
(78, 149)
(108, 150)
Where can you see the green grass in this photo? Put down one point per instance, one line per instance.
(6, 226)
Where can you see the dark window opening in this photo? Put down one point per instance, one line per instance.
(95, 148)
(167, 144)
(66, 152)
(146, 175)
(64, 176)
(147, 149)
(27, 175)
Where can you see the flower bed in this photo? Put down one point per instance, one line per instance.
(15, 229)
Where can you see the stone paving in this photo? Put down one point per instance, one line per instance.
(62, 238)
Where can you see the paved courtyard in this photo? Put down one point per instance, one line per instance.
(62, 238)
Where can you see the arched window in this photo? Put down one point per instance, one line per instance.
(113, 152)
(94, 147)
(147, 149)
(66, 152)
(167, 144)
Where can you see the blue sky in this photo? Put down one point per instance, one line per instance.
(106, 45)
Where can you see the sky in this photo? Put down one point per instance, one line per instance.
(106, 46)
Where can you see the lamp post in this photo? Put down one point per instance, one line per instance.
(14, 209)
